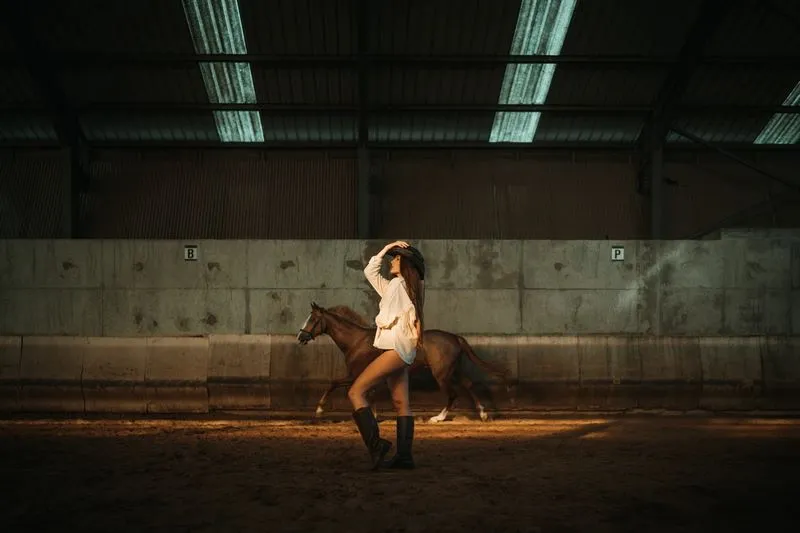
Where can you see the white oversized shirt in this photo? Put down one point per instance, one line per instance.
(396, 316)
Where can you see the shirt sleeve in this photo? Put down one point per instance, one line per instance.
(373, 274)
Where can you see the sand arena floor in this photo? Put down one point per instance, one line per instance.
(580, 474)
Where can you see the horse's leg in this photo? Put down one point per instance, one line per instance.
(445, 384)
(467, 384)
(335, 384)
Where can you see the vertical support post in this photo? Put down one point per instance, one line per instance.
(364, 166)
(68, 200)
(658, 222)
(16, 17)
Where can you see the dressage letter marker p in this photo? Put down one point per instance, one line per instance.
(617, 253)
(190, 252)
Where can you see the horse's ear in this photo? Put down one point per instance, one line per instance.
(314, 305)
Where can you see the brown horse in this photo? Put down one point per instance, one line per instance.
(441, 352)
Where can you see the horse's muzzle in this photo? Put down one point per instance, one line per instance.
(304, 337)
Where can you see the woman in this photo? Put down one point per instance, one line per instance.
(399, 333)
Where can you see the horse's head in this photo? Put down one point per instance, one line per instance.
(314, 325)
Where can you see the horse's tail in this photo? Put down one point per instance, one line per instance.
(491, 369)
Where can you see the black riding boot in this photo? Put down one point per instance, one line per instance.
(368, 427)
(405, 437)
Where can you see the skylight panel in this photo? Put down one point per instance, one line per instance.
(216, 28)
(541, 28)
(783, 128)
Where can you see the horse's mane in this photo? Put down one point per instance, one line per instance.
(350, 315)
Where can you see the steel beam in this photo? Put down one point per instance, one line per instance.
(116, 59)
(654, 130)
(769, 175)
(345, 109)
(374, 144)
(710, 15)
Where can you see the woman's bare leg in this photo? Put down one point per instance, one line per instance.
(398, 387)
(384, 366)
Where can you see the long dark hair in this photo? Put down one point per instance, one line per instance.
(415, 288)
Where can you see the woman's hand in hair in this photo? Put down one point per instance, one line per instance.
(401, 244)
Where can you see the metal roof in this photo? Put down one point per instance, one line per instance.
(420, 72)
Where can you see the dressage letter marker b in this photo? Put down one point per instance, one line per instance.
(617, 253)
(190, 252)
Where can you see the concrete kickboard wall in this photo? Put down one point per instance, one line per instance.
(179, 374)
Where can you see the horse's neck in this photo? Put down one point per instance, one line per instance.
(344, 333)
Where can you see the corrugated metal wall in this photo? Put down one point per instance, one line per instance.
(214, 195)
(32, 190)
(484, 197)
(241, 194)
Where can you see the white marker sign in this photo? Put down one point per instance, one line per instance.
(190, 252)
(618, 253)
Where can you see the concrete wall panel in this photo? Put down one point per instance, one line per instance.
(692, 311)
(299, 375)
(51, 311)
(461, 264)
(581, 311)
(731, 372)
(549, 371)
(296, 264)
(114, 375)
(139, 264)
(781, 373)
(10, 362)
(176, 376)
(757, 312)
(688, 264)
(671, 372)
(50, 374)
(610, 372)
(757, 264)
(583, 264)
(50, 264)
(473, 311)
(283, 312)
(174, 312)
(238, 371)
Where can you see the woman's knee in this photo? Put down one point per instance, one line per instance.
(355, 393)
(400, 403)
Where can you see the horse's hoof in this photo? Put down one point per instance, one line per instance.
(484, 416)
(435, 420)
(318, 412)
